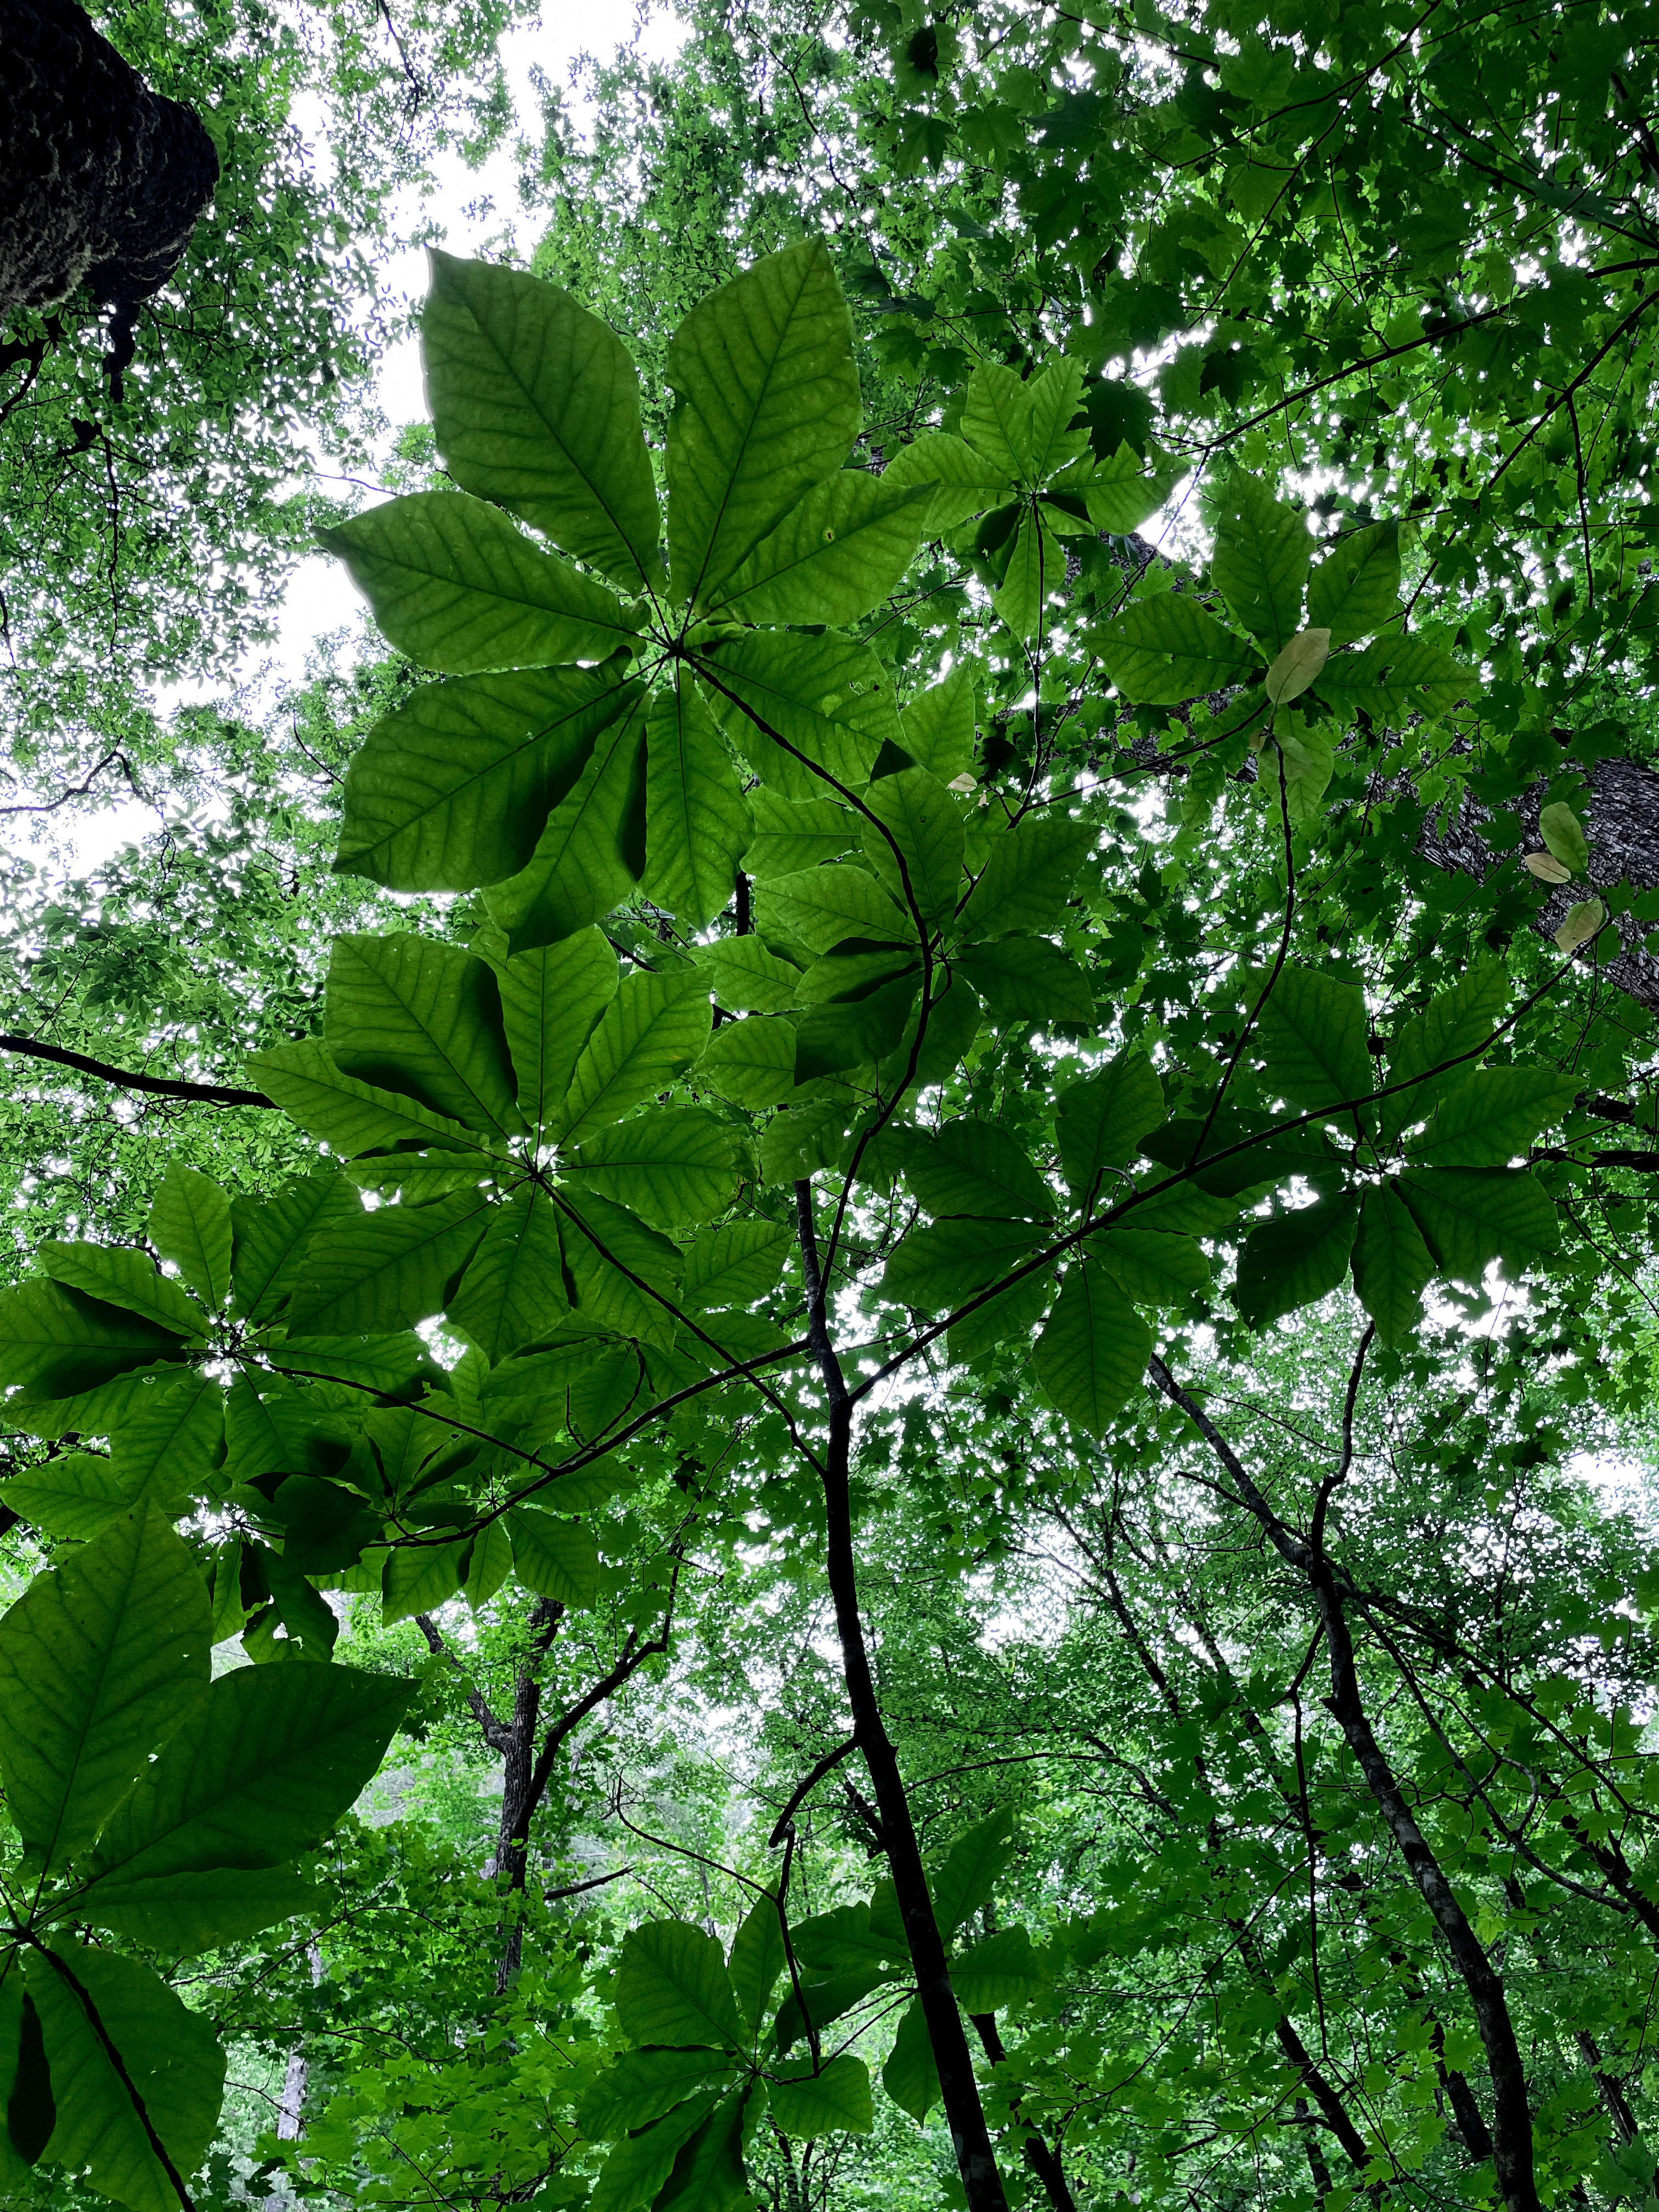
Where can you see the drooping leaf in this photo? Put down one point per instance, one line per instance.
(1025, 883)
(910, 2076)
(1093, 1349)
(649, 1035)
(28, 2112)
(1160, 651)
(974, 1167)
(675, 1166)
(60, 1343)
(1027, 978)
(757, 1961)
(1035, 570)
(1392, 1265)
(592, 851)
(172, 2065)
(190, 1225)
(1294, 1259)
(792, 703)
(672, 1987)
(1259, 564)
(459, 589)
(806, 2104)
(453, 787)
(408, 1014)
(99, 1661)
(969, 1875)
(386, 1270)
(264, 1765)
(766, 405)
(635, 2172)
(122, 1277)
(1487, 1115)
(965, 480)
(513, 1290)
(697, 817)
(1103, 1117)
(623, 1270)
(1469, 1216)
(535, 404)
(835, 555)
(709, 2172)
(352, 1117)
(824, 907)
(640, 2086)
(1355, 589)
(1311, 1031)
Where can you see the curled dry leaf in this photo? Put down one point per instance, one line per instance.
(963, 783)
(1581, 924)
(1297, 665)
(1546, 867)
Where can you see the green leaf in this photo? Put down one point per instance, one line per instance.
(266, 1761)
(169, 1445)
(827, 2002)
(1487, 1115)
(460, 589)
(1121, 493)
(190, 1225)
(99, 1661)
(1056, 396)
(911, 2077)
(752, 1063)
(1564, 834)
(270, 1238)
(602, 1241)
(640, 2086)
(825, 907)
(1355, 589)
(352, 1117)
(639, 2166)
(1294, 1259)
(1103, 1117)
(922, 819)
(513, 1290)
(1392, 1265)
(675, 1166)
(940, 1266)
(389, 1269)
(1153, 1267)
(968, 1877)
(757, 1961)
(996, 419)
(1093, 1349)
(170, 2058)
(184, 1912)
(74, 1496)
(1035, 570)
(974, 1167)
(791, 835)
(1457, 1023)
(1163, 651)
(1026, 979)
(940, 725)
(834, 556)
(696, 817)
(708, 2173)
(385, 1364)
(1469, 1216)
(1311, 1032)
(592, 851)
(1395, 678)
(805, 2103)
(25, 2100)
(60, 1343)
(552, 1000)
(1296, 665)
(1002, 1970)
(745, 978)
(652, 1030)
(121, 1277)
(953, 1023)
(1299, 761)
(792, 703)
(453, 787)
(1027, 878)
(830, 1038)
(1261, 560)
(965, 482)
(535, 405)
(420, 1580)
(765, 404)
(672, 1987)
(1013, 1312)
(842, 1941)
(407, 1014)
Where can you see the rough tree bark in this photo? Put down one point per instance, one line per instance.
(105, 179)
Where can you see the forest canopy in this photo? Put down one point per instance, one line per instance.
(829, 1355)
